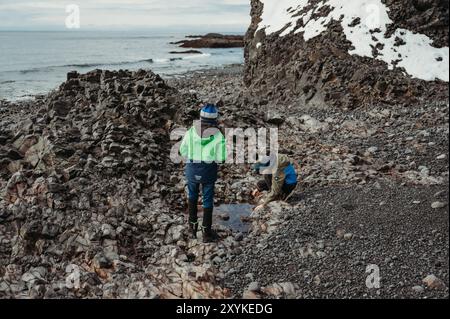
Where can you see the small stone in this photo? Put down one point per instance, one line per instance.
(250, 295)
(274, 118)
(35, 277)
(433, 282)
(321, 254)
(424, 170)
(340, 233)
(317, 280)
(439, 194)
(418, 289)
(101, 262)
(108, 231)
(239, 237)
(115, 148)
(254, 286)
(438, 205)
(441, 157)
(348, 236)
(14, 155)
(288, 288)
(224, 217)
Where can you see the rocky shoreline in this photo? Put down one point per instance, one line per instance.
(371, 177)
(87, 184)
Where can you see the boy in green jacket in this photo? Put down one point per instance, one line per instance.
(203, 147)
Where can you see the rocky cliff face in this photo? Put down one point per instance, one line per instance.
(348, 53)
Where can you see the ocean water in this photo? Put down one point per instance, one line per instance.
(37, 62)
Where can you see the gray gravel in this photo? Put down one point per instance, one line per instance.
(406, 241)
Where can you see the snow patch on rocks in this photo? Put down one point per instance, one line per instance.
(365, 24)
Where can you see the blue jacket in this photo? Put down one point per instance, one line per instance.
(284, 175)
(291, 175)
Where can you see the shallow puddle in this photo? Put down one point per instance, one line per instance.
(234, 216)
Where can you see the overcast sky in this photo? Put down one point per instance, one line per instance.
(232, 15)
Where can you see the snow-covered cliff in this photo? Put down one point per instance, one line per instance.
(348, 51)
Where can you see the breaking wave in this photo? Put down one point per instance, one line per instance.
(113, 64)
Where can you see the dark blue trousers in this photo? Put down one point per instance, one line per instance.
(207, 192)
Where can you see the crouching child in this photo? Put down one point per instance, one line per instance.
(280, 179)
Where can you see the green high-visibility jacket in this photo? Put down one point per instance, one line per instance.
(198, 149)
(203, 155)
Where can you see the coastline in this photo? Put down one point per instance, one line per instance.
(233, 68)
(132, 50)
(101, 108)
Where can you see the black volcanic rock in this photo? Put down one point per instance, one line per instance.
(213, 41)
(186, 52)
(86, 179)
(321, 71)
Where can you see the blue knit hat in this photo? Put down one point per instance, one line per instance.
(209, 113)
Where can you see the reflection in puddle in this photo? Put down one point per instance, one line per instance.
(234, 216)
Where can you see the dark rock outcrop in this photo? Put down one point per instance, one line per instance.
(186, 52)
(321, 71)
(87, 187)
(212, 41)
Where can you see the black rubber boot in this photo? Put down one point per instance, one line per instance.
(209, 235)
(193, 219)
